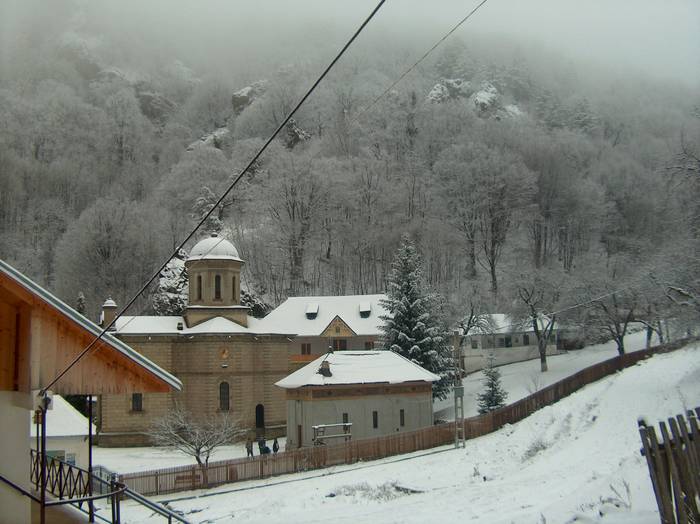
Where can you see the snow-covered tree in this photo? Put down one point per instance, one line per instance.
(170, 294)
(413, 327)
(258, 307)
(493, 396)
(80, 303)
(198, 438)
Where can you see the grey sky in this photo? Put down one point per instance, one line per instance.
(661, 38)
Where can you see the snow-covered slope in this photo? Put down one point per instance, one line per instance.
(569, 462)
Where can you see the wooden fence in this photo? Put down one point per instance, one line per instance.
(674, 467)
(184, 478)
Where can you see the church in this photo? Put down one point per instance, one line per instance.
(227, 360)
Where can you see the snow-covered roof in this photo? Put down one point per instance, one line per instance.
(291, 316)
(359, 367)
(500, 323)
(63, 420)
(168, 325)
(214, 248)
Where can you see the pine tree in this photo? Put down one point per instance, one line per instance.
(494, 395)
(413, 327)
(80, 303)
(170, 294)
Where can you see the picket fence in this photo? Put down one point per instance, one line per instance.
(183, 478)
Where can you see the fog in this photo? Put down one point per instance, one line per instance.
(661, 39)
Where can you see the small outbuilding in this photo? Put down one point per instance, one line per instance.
(365, 393)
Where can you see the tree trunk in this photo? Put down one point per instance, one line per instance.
(620, 341)
(494, 280)
(471, 258)
(205, 477)
(542, 347)
(650, 334)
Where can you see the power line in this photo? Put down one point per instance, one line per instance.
(412, 67)
(221, 198)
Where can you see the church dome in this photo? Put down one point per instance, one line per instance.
(214, 248)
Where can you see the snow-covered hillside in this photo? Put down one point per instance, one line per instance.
(575, 461)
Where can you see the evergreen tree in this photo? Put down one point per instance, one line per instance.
(493, 396)
(170, 294)
(80, 303)
(413, 327)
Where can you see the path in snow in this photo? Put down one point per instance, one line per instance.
(131, 460)
(566, 463)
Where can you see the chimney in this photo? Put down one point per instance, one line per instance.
(109, 311)
(325, 369)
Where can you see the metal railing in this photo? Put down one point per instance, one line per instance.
(74, 485)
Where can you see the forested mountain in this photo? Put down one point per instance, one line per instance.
(508, 164)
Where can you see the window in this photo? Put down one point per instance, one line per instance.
(70, 458)
(199, 287)
(369, 344)
(526, 339)
(217, 287)
(136, 402)
(306, 348)
(345, 418)
(501, 342)
(233, 289)
(340, 344)
(375, 419)
(402, 418)
(223, 396)
(475, 344)
(509, 341)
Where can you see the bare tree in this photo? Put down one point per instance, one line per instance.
(196, 437)
(539, 294)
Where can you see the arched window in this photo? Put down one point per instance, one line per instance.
(223, 397)
(199, 287)
(233, 289)
(217, 287)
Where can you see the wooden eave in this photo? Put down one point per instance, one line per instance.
(46, 335)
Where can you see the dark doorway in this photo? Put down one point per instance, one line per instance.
(260, 416)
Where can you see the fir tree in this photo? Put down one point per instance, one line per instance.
(494, 395)
(80, 303)
(170, 294)
(413, 327)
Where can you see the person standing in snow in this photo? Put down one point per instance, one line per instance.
(249, 447)
(275, 446)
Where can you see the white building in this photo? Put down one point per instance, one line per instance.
(504, 339)
(378, 392)
(66, 433)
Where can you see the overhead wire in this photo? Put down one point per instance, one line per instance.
(219, 201)
(416, 63)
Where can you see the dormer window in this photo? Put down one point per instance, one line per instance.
(365, 309)
(312, 310)
(217, 287)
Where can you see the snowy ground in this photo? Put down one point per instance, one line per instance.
(130, 460)
(569, 462)
(524, 378)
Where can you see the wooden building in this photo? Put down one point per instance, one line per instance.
(39, 337)
(376, 392)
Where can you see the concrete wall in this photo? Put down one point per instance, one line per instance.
(418, 413)
(14, 457)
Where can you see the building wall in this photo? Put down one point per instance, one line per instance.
(250, 365)
(77, 445)
(307, 412)
(474, 359)
(14, 456)
(320, 345)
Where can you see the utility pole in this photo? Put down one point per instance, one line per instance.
(458, 392)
